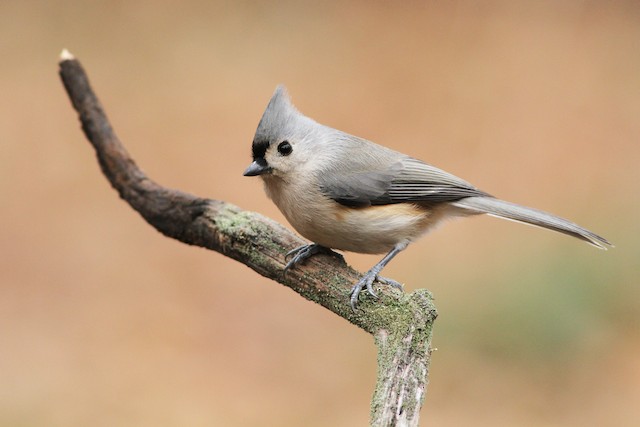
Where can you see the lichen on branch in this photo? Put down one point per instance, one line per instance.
(401, 323)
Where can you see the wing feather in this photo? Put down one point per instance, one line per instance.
(405, 180)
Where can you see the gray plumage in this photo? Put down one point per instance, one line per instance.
(403, 180)
(506, 210)
(347, 193)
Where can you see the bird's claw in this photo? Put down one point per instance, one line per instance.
(366, 282)
(304, 252)
(390, 282)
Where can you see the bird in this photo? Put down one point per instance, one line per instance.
(346, 193)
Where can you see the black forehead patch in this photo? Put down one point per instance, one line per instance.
(259, 148)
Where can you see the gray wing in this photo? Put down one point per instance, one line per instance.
(405, 180)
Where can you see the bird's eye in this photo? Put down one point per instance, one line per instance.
(285, 148)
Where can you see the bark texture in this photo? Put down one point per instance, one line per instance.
(401, 323)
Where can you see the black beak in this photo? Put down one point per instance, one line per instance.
(258, 167)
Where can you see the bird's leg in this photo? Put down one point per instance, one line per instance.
(302, 253)
(370, 276)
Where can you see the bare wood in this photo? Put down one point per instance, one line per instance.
(400, 323)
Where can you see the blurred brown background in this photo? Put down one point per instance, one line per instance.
(103, 321)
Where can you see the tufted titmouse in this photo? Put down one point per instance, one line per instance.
(347, 193)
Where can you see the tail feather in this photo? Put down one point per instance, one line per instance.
(506, 210)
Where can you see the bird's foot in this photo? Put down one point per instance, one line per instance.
(390, 282)
(304, 252)
(366, 282)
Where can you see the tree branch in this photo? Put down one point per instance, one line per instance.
(400, 323)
